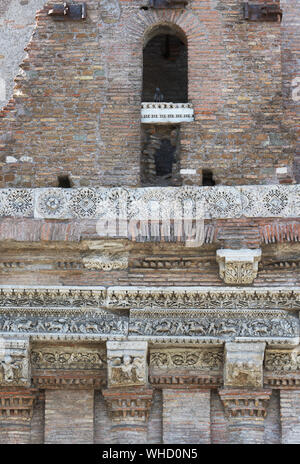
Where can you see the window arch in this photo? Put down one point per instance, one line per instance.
(165, 65)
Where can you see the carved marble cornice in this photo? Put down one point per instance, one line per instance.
(17, 405)
(128, 406)
(245, 403)
(104, 203)
(71, 298)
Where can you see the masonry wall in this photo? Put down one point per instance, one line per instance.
(76, 106)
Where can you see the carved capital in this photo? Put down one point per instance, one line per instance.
(128, 406)
(244, 364)
(126, 362)
(238, 267)
(17, 405)
(106, 262)
(245, 403)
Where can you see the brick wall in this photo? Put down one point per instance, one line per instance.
(69, 416)
(186, 416)
(290, 416)
(76, 107)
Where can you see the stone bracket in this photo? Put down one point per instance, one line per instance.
(238, 267)
(17, 405)
(245, 403)
(128, 406)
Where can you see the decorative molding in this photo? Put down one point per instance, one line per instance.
(163, 112)
(61, 324)
(63, 298)
(204, 297)
(17, 405)
(128, 204)
(290, 381)
(181, 380)
(106, 262)
(68, 358)
(211, 360)
(282, 361)
(238, 267)
(69, 380)
(170, 262)
(128, 406)
(215, 325)
(245, 403)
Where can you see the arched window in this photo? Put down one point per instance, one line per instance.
(165, 65)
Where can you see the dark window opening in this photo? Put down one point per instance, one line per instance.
(207, 177)
(165, 68)
(64, 182)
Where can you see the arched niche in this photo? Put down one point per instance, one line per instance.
(165, 64)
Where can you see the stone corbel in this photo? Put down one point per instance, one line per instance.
(238, 267)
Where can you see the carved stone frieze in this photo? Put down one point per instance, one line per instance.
(215, 325)
(244, 365)
(92, 203)
(245, 403)
(14, 362)
(78, 324)
(127, 363)
(238, 267)
(68, 358)
(106, 262)
(128, 406)
(211, 360)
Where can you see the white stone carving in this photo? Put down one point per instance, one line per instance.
(166, 112)
(238, 266)
(125, 204)
(105, 262)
